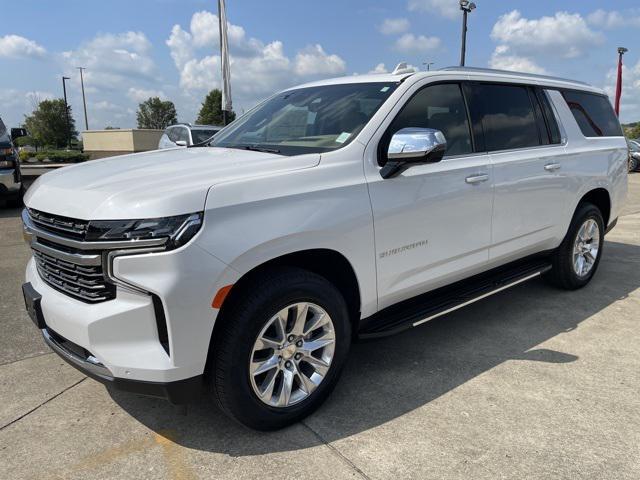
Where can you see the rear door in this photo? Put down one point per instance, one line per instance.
(530, 190)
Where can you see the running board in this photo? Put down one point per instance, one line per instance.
(442, 301)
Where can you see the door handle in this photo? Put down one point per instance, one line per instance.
(473, 179)
(550, 167)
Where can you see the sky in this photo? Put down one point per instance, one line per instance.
(134, 49)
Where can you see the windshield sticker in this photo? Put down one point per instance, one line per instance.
(343, 137)
(384, 89)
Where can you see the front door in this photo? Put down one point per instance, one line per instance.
(433, 221)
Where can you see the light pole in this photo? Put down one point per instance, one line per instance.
(66, 111)
(466, 6)
(428, 64)
(84, 100)
(621, 52)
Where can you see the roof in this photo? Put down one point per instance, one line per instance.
(467, 72)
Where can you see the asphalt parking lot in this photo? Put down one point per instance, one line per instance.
(530, 383)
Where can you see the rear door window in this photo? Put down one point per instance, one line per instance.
(507, 116)
(594, 114)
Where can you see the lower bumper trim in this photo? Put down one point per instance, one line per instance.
(179, 392)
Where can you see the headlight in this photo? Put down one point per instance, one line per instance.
(177, 230)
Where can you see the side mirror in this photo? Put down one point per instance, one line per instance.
(412, 146)
(181, 143)
(18, 132)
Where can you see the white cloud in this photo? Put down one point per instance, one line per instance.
(502, 59)
(445, 8)
(564, 35)
(380, 68)
(394, 26)
(113, 61)
(15, 46)
(313, 61)
(630, 102)
(141, 94)
(614, 19)
(409, 43)
(258, 69)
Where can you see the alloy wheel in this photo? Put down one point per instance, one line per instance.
(292, 354)
(586, 247)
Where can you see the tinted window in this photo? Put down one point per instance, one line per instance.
(172, 133)
(183, 134)
(594, 114)
(440, 107)
(549, 117)
(507, 116)
(200, 136)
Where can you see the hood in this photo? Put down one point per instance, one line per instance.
(153, 184)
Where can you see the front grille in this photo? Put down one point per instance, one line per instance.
(83, 282)
(65, 226)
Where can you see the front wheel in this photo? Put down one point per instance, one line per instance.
(280, 349)
(576, 260)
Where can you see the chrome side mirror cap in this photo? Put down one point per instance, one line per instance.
(410, 146)
(181, 143)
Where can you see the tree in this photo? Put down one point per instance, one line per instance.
(156, 114)
(211, 110)
(47, 124)
(633, 131)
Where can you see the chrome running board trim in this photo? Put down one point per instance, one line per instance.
(488, 294)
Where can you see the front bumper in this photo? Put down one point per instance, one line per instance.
(179, 392)
(123, 333)
(8, 184)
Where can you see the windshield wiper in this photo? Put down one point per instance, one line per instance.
(255, 148)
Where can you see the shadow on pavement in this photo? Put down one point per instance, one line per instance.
(388, 378)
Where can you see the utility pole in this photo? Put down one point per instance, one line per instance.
(66, 111)
(84, 100)
(621, 52)
(466, 6)
(428, 64)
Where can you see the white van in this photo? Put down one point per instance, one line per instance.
(353, 207)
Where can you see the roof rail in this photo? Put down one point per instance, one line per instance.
(402, 68)
(523, 74)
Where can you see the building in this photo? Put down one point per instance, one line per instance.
(108, 143)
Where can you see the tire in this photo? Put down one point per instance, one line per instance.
(633, 164)
(16, 200)
(564, 273)
(252, 309)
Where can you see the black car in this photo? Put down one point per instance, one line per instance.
(11, 186)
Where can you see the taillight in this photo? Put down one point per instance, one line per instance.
(6, 164)
(6, 151)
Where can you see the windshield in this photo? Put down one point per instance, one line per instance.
(634, 146)
(307, 120)
(200, 136)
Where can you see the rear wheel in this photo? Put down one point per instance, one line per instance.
(280, 349)
(576, 260)
(633, 164)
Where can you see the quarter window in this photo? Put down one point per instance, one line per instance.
(440, 107)
(507, 116)
(594, 114)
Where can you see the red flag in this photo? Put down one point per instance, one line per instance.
(619, 86)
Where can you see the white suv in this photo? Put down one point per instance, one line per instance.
(347, 208)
